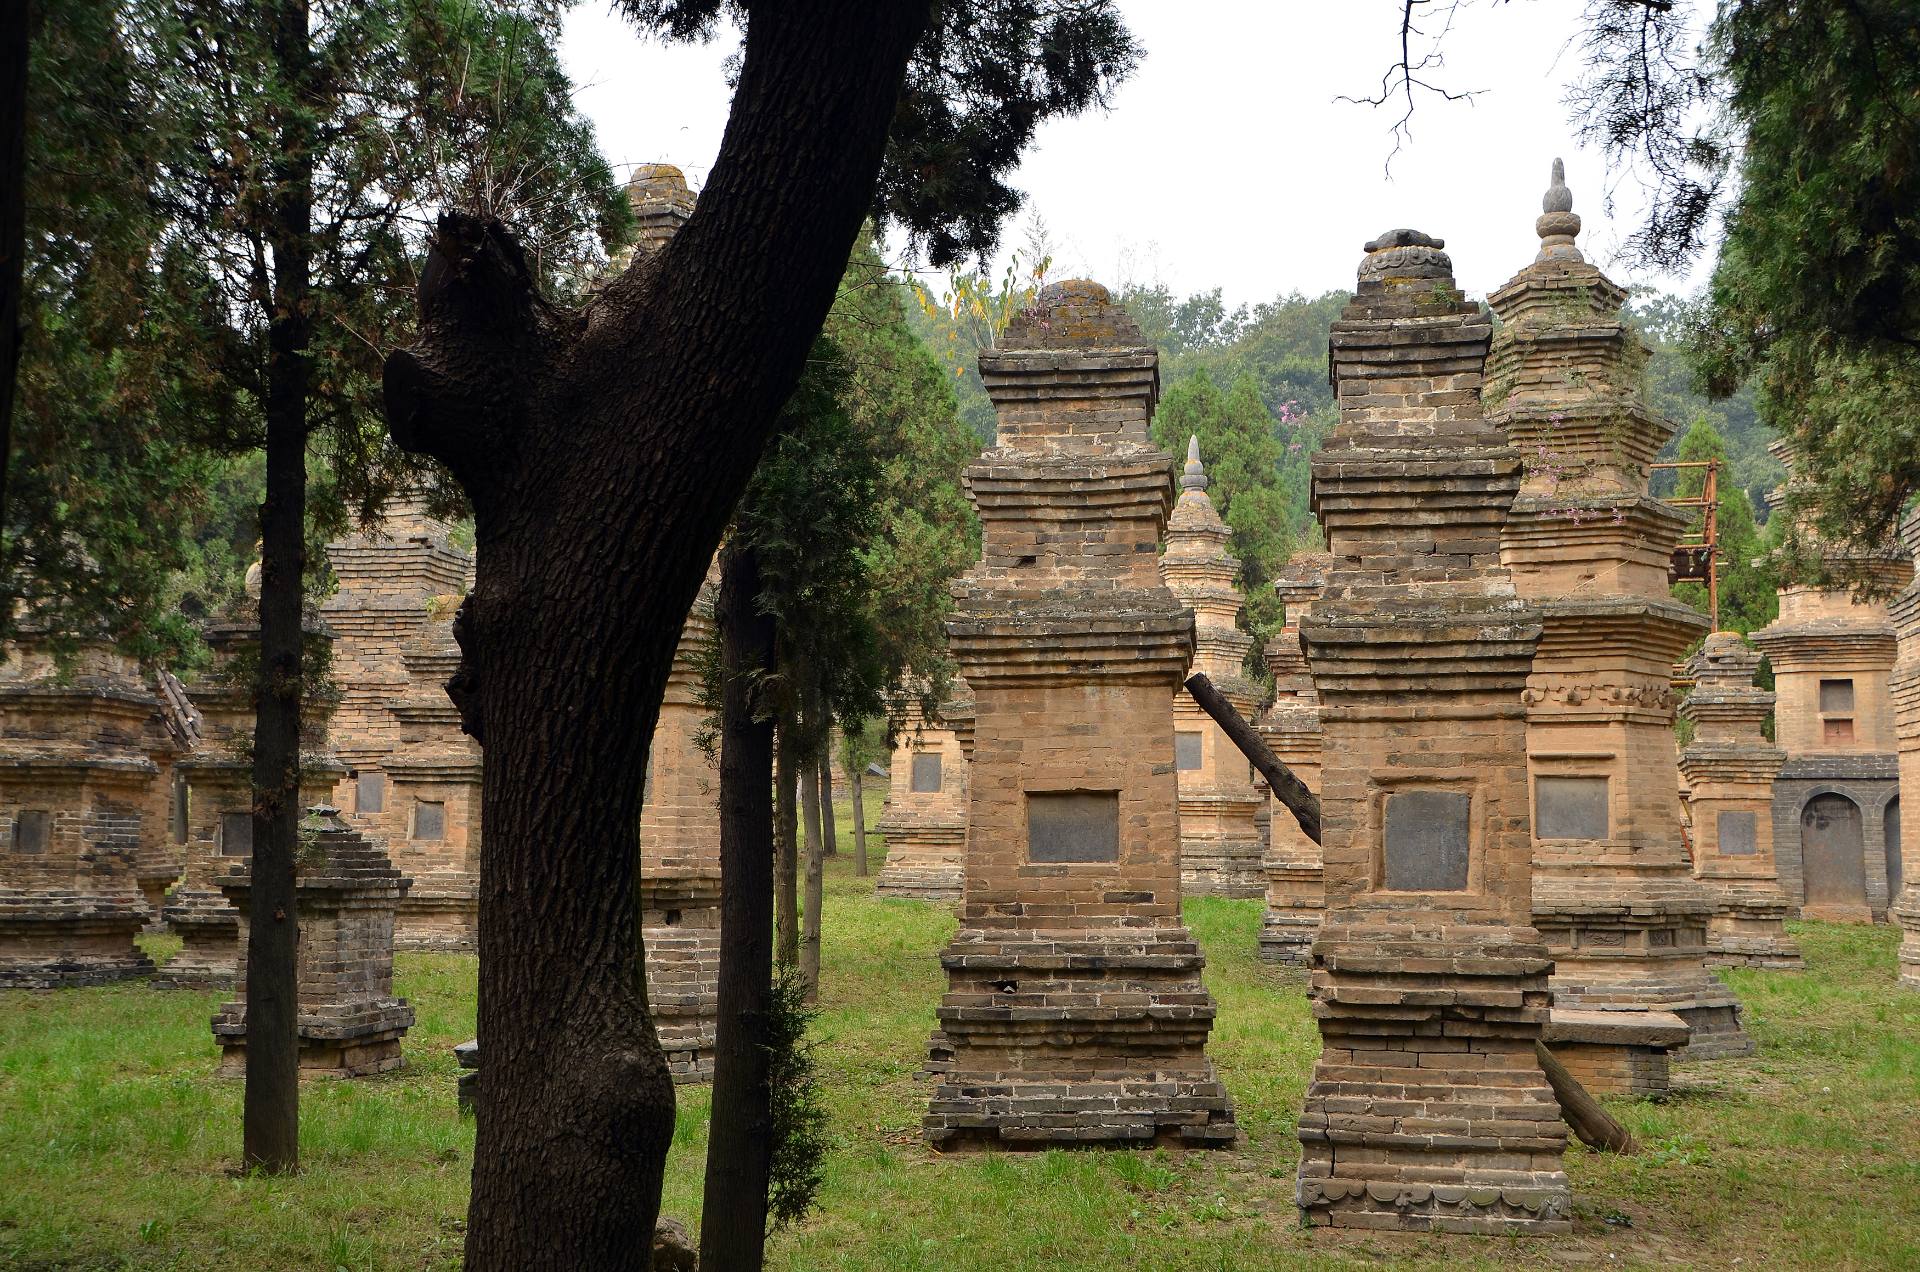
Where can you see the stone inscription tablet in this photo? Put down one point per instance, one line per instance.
(429, 819)
(1073, 826)
(1739, 835)
(32, 830)
(1428, 837)
(1186, 751)
(926, 772)
(1570, 808)
(236, 834)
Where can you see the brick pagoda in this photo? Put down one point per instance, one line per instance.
(1904, 689)
(1729, 769)
(77, 810)
(1834, 802)
(433, 797)
(1613, 891)
(1220, 851)
(1296, 888)
(680, 856)
(218, 777)
(925, 823)
(1427, 1108)
(1074, 1012)
(347, 894)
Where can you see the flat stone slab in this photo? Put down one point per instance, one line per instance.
(1618, 1028)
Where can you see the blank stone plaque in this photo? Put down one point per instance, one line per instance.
(429, 819)
(32, 829)
(1186, 751)
(1739, 836)
(370, 793)
(1428, 837)
(926, 772)
(1073, 826)
(236, 834)
(1836, 695)
(1570, 808)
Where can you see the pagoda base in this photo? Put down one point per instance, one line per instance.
(924, 862)
(440, 919)
(683, 993)
(1222, 868)
(1051, 1040)
(1287, 936)
(209, 931)
(1428, 1110)
(1906, 912)
(64, 940)
(359, 1046)
(1749, 930)
(1618, 1052)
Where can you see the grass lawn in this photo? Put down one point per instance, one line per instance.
(116, 1140)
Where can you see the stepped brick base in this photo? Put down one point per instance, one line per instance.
(62, 940)
(1617, 1053)
(683, 992)
(209, 931)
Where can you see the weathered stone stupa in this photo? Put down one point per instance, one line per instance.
(1613, 892)
(680, 856)
(1296, 888)
(433, 797)
(1836, 815)
(1220, 851)
(1074, 1012)
(1729, 769)
(218, 776)
(1904, 689)
(77, 807)
(925, 824)
(1427, 1108)
(347, 892)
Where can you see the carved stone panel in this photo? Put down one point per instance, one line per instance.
(1738, 833)
(1428, 840)
(1186, 750)
(1065, 826)
(926, 772)
(1570, 808)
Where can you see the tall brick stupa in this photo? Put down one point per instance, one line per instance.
(1296, 876)
(1074, 1012)
(1427, 1109)
(1613, 891)
(925, 823)
(1220, 850)
(1904, 688)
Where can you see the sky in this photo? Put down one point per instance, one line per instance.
(1225, 161)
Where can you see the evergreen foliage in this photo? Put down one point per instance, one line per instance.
(799, 1129)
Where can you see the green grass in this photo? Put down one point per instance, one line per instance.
(116, 1142)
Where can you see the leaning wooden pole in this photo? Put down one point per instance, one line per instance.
(1288, 789)
(1583, 1114)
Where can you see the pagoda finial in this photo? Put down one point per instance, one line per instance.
(1558, 224)
(1195, 477)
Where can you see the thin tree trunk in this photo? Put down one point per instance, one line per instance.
(16, 41)
(829, 833)
(854, 788)
(1287, 788)
(786, 857)
(739, 1136)
(810, 919)
(604, 453)
(271, 1108)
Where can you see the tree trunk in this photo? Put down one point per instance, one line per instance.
(604, 451)
(855, 779)
(786, 855)
(829, 833)
(810, 920)
(16, 42)
(1287, 788)
(271, 1111)
(739, 1136)
(1584, 1115)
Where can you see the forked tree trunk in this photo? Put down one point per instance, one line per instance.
(270, 1115)
(854, 790)
(604, 451)
(810, 812)
(739, 1136)
(829, 833)
(786, 850)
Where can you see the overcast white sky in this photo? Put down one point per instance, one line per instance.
(1225, 161)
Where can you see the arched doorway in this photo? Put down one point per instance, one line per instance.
(1833, 857)
(1891, 838)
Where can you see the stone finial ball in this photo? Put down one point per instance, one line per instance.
(1075, 313)
(657, 183)
(1406, 255)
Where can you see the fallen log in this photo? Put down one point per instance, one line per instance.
(1592, 1124)
(1288, 789)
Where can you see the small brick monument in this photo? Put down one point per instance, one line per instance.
(1729, 769)
(347, 893)
(433, 797)
(1428, 1108)
(218, 777)
(1835, 803)
(1904, 685)
(77, 811)
(1613, 891)
(1296, 887)
(925, 823)
(680, 856)
(1074, 1012)
(1220, 851)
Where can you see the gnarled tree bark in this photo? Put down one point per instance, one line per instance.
(604, 451)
